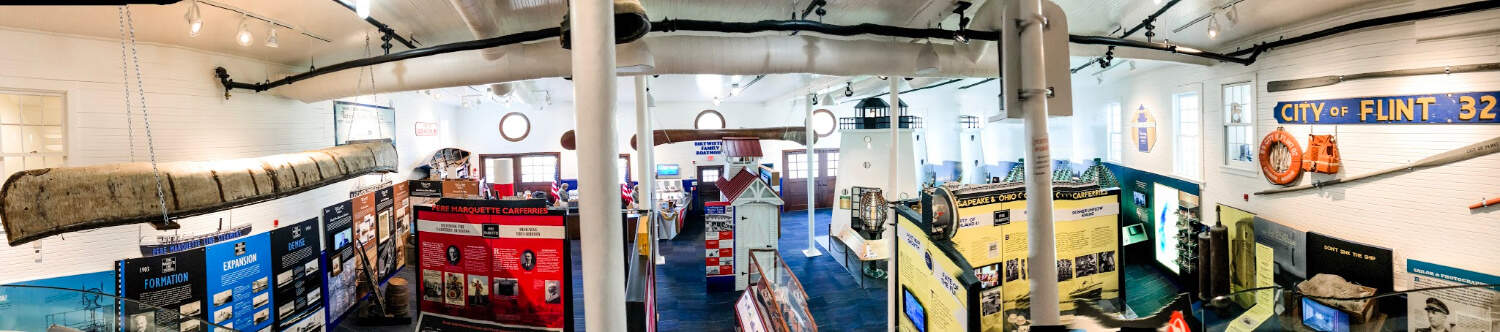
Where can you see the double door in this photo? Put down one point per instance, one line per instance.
(795, 175)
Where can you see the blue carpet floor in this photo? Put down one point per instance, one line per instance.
(835, 302)
(1147, 288)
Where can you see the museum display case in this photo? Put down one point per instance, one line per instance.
(57, 308)
(779, 301)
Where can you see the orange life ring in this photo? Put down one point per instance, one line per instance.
(1280, 157)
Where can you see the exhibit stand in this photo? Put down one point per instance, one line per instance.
(865, 148)
(774, 300)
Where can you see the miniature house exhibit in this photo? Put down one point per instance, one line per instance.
(750, 165)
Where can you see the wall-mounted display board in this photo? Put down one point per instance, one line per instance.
(340, 261)
(493, 265)
(1289, 249)
(173, 281)
(385, 224)
(356, 122)
(298, 279)
(937, 290)
(718, 245)
(1462, 309)
(1145, 129)
(1440, 108)
(239, 283)
(1358, 263)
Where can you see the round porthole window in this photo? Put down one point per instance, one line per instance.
(824, 123)
(709, 119)
(515, 126)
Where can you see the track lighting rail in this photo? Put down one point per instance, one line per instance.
(1150, 22)
(268, 20)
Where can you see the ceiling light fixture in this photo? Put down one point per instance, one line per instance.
(271, 38)
(1213, 26)
(195, 19)
(362, 8)
(849, 89)
(927, 60)
(827, 99)
(735, 89)
(244, 37)
(717, 101)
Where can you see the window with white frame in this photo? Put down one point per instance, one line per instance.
(796, 165)
(1187, 161)
(1239, 125)
(538, 169)
(831, 166)
(31, 130)
(1116, 135)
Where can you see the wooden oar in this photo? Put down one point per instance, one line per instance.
(1468, 152)
(1278, 86)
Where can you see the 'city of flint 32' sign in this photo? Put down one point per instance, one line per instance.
(1455, 108)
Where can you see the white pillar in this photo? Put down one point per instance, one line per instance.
(1042, 259)
(895, 187)
(812, 178)
(645, 157)
(594, 104)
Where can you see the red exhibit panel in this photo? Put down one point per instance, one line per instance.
(718, 245)
(500, 263)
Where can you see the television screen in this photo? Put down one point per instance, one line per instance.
(1323, 318)
(914, 310)
(1165, 220)
(667, 170)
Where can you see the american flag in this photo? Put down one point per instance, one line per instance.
(556, 187)
(627, 193)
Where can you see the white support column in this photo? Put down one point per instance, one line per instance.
(895, 187)
(812, 178)
(594, 102)
(645, 160)
(1042, 259)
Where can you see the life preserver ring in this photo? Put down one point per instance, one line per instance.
(1280, 157)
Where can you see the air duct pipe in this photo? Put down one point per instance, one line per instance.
(481, 21)
(672, 55)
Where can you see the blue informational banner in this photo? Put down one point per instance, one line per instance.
(1454, 108)
(709, 147)
(239, 283)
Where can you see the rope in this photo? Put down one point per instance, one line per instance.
(161, 196)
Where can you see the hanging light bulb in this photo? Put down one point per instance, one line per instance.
(927, 60)
(271, 37)
(195, 19)
(1213, 26)
(244, 37)
(362, 8)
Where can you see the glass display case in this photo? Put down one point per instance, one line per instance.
(45, 308)
(774, 300)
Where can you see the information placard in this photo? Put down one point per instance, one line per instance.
(503, 262)
(298, 281)
(339, 260)
(174, 281)
(239, 283)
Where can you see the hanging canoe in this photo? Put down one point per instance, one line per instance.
(38, 203)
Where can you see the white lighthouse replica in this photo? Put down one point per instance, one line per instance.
(757, 217)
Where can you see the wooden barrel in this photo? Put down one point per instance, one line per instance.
(397, 297)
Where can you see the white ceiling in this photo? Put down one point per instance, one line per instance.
(434, 22)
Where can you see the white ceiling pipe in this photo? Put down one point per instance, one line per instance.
(481, 21)
(672, 55)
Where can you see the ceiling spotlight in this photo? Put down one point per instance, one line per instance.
(1213, 26)
(195, 19)
(927, 60)
(271, 37)
(717, 101)
(1156, 2)
(244, 37)
(362, 8)
(735, 90)
(848, 89)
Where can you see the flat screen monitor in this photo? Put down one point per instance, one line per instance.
(667, 170)
(1164, 201)
(913, 310)
(1323, 318)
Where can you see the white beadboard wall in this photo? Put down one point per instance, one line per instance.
(1420, 215)
(190, 120)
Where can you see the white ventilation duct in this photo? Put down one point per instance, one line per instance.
(671, 55)
(478, 15)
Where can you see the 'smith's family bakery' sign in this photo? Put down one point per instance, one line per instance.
(1457, 108)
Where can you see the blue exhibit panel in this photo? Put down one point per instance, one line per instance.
(239, 283)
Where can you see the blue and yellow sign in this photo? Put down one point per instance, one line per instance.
(1456, 108)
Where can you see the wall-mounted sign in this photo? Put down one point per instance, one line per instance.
(1458, 108)
(1145, 129)
(426, 128)
(709, 148)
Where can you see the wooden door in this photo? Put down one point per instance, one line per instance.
(795, 176)
(707, 190)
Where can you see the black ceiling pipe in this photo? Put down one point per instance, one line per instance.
(1400, 18)
(670, 25)
(385, 30)
(882, 94)
(1097, 40)
(1150, 19)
